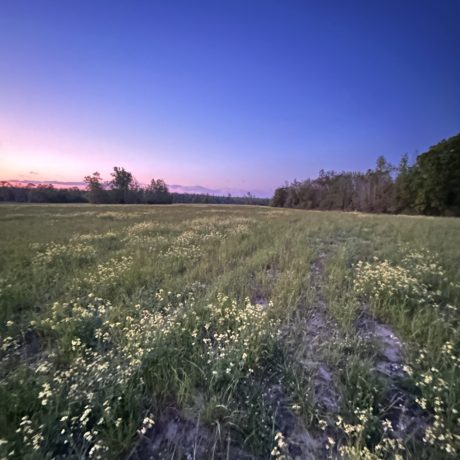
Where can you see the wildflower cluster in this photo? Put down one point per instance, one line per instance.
(355, 444)
(50, 253)
(92, 238)
(229, 336)
(217, 229)
(80, 316)
(107, 273)
(186, 247)
(437, 385)
(189, 244)
(235, 335)
(31, 436)
(423, 264)
(414, 280)
(120, 215)
(108, 351)
(8, 344)
(144, 234)
(420, 281)
(281, 449)
(84, 399)
(142, 227)
(147, 424)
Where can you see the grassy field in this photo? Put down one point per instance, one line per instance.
(227, 332)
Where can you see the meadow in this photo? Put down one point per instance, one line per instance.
(227, 332)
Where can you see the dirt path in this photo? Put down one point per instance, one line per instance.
(407, 418)
(320, 329)
(307, 335)
(175, 436)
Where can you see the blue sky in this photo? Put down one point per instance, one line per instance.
(232, 95)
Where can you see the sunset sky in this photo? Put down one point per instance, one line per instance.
(236, 95)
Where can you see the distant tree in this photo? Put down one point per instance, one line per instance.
(122, 179)
(382, 186)
(135, 193)
(382, 166)
(293, 198)
(403, 186)
(6, 191)
(157, 192)
(120, 184)
(249, 198)
(95, 188)
(280, 197)
(93, 182)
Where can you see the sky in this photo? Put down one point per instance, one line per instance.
(236, 95)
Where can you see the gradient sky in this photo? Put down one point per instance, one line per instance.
(239, 94)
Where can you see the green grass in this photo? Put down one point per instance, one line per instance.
(113, 317)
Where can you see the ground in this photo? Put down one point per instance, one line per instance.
(227, 332)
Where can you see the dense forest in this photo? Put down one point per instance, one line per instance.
(430, 186)
(122, 189)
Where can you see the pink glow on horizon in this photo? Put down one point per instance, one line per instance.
(39, 153)
(41, 157)
(18, 164)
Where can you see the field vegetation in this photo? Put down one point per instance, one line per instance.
(236, 332)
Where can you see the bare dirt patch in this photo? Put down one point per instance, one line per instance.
(302, 444)
(406, 416)
(175, 436)
(308, 334)
(321, 329)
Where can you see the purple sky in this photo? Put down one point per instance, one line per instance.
(233, 96)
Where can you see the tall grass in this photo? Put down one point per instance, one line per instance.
(112, 315)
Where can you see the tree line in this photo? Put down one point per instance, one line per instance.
(430, 186)
(205, 198)
(123, 188)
